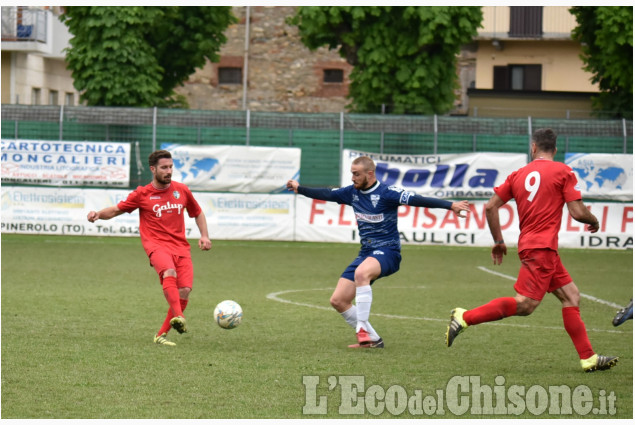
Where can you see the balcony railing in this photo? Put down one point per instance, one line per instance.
(20, 23)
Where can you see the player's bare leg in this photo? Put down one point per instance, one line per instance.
(343, 296)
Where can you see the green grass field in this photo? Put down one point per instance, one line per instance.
(78, 316)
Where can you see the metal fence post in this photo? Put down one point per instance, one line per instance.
(436, 132)
(381, 140)
(474, 134)
(139, 163)
(248, 126)
(15, 130)
(154, 129)
(61, 136)
(529, 131)
(624, 133)
(341, 141)
(566, 139)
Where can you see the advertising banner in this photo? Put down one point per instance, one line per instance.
(64, 163)
(225, 168)
(330, 222)
(603, 176)
(457, 176)
(247, 216)
(40, 210)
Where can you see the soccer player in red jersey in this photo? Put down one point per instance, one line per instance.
(541, 189)
(162, 205)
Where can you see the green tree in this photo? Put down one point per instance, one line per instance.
(401, 56)
(136, 55)
(606, 34)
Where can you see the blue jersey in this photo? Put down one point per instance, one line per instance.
(375, 210)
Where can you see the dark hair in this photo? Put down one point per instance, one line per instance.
(155, 156)
(545, 139)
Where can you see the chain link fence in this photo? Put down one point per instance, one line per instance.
(320, 136)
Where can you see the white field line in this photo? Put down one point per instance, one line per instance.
(277, 296)
(587, 296)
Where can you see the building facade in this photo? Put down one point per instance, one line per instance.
(33, 62)
(523, 62)
(527, 64)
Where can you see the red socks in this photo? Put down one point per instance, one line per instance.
(171, 293)
(166, 323)
(177, 305)
(500, 308)
(574, 326)
(496, 309)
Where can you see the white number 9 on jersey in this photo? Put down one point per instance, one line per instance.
(532, 183)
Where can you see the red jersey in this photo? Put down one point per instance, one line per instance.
(540, 189)
(161, 216)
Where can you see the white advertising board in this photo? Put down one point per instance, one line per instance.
(327, 221)
(64, 163)
(294, 217)
(226, 168)
(63, 212)
(603, 176)
(463, 176)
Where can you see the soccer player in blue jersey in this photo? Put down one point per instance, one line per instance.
(375, 205)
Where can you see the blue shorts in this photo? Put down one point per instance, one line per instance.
(389, 260)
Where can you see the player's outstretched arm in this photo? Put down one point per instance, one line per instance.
(204, 242)
(493, 221)
(324, 194)
(104, 214)
(459, 207)
(293, 185)
(580, 213)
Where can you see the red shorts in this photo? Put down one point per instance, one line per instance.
(541, 271)
(163, 260)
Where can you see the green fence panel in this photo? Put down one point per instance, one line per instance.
(320, 136)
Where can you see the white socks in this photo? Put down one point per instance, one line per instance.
(350, 316)
(357, 315)
(363, 300)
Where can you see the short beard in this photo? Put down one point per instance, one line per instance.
(164, 180)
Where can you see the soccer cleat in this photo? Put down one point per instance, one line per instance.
(363, 337)
(371, 344)
(596, 362)
(623, 314)
(456, 326)
(162, 340)
(178, 324)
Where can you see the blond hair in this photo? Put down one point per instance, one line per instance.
(366, 162)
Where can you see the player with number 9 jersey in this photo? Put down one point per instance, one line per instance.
(541, 188)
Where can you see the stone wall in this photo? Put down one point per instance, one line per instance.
(283, 75)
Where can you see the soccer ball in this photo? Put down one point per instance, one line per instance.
(228, 314)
